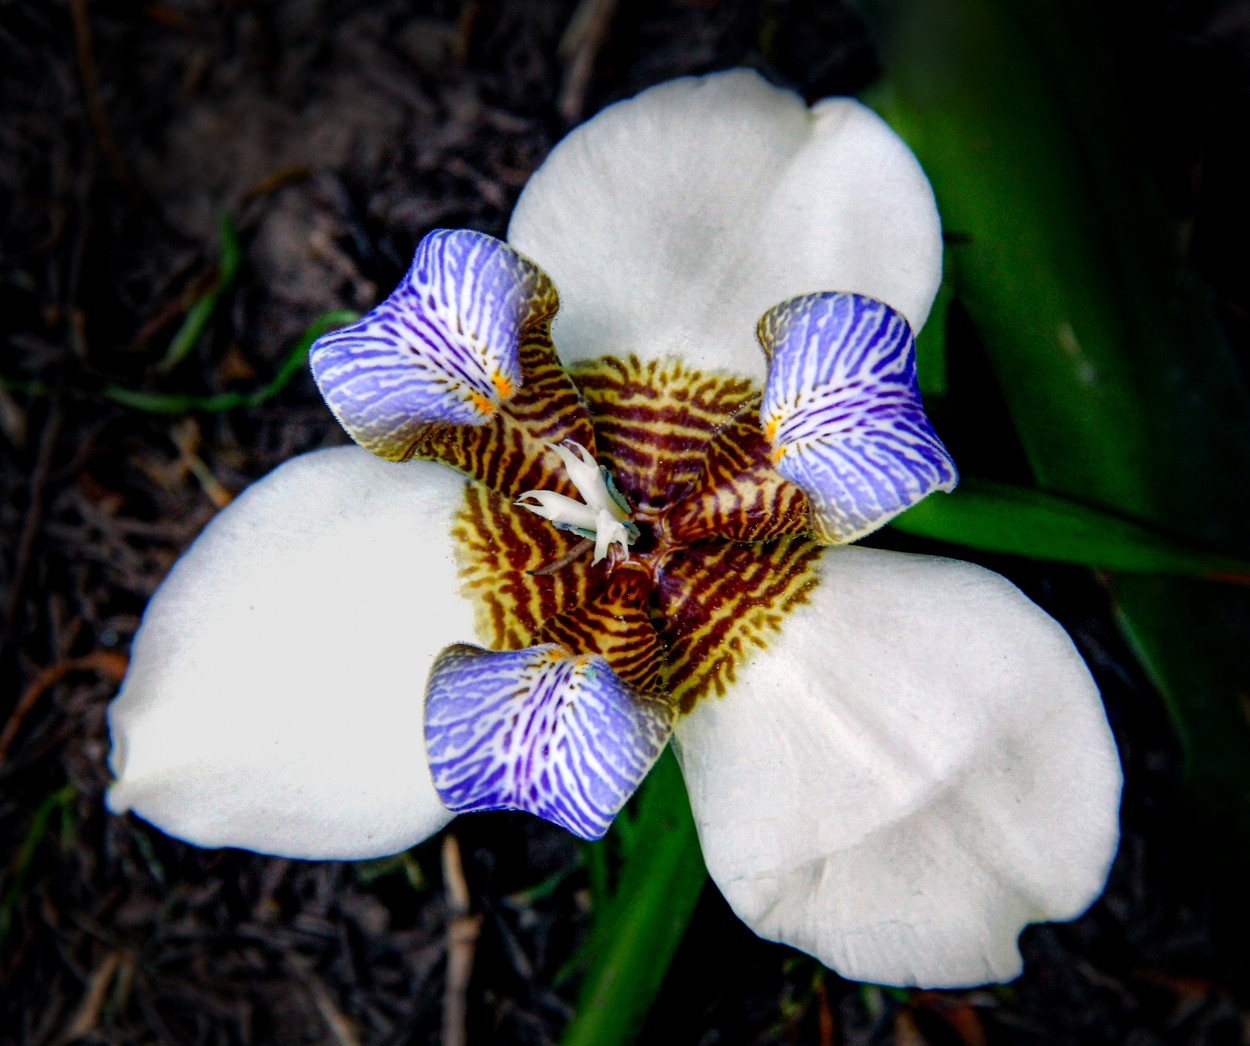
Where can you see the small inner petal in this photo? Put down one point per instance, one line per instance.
(442, 349)
(842, 412)
(616, 623)
(539, 730)
(654, 421)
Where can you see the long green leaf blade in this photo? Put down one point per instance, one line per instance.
(180, 403)
(1021, 521)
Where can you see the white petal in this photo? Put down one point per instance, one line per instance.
(672, 221)
(916, 769)
(274, 698)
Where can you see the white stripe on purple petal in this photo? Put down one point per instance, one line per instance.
(843, 415)
(441, 349)
(540, 730)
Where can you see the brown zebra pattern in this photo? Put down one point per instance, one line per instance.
(718, 599)
(618, 626)
(724, 552)
(739, 496)
(654, 421)
(499, 547)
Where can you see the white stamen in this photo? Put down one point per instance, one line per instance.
(600, 516)
(559, 509)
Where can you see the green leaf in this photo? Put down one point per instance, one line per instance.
(931, 346)
(634, 937)
(1001, 517)
(181, 403)
(1107, 352)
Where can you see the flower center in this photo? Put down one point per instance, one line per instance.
(669, 469)
(588, 657)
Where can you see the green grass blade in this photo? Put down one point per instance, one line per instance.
(634, 937)
(200, 314)
(14, 877)
(177, 403)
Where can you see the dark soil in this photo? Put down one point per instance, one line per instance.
(337, 134)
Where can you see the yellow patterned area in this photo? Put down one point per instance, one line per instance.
(498, 546)
(724, 556)
(718, 599)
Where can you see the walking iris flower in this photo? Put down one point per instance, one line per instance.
(630, 527)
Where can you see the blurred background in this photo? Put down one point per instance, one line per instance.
(188, 188)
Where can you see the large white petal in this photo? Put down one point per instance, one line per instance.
(274, 698)
(918, 767)
(672, 221)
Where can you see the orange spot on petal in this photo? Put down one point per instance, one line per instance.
(503, 386)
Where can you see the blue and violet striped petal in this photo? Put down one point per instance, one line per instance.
(541, 730)
(442, 349)
(842, 412)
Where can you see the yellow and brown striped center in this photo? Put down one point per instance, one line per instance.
(725, 551)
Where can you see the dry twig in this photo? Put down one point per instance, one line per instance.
(579, 47)
(105, 662)
(462, 933)
(87, 1017)
(95, 107)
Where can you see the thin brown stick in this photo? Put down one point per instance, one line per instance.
(34, 513)
(95, 107)
(336, 1020)
(576, 552)
(87, 1017)
(462, 933)
(107, 663)
(824, 1014)
(579, 47)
